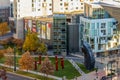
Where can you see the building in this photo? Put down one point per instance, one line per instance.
(67, 6)
(59, 34)
(113, 8)
(99, 29)
(4, 10)
(73, 33)
(43, 27)
(44, 8)
(25, 8)
(11, 8)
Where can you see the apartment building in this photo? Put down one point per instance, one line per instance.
(25, 8)
(4, 10)
(99, 29)
(67, 6)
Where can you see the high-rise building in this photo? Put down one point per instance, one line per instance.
(99, 29)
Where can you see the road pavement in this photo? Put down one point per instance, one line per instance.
(6, 36)
(13, 76)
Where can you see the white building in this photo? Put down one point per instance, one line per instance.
(99, 29)
(66, 6)
(34, 8)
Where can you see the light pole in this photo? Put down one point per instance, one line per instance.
(14, 58)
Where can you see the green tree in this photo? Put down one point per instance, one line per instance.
(3, 28)
(42, 49)
(26, 61)
(31, 42)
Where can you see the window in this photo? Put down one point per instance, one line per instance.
(66, 8)
(81, 7)
(32, 5)
(76, 7)
(50, 9)
(50, 4)
(61, 4)
(103, 25)
(33, 0)
(103, 32)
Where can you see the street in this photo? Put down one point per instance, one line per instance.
(8, 35)
(13, 76)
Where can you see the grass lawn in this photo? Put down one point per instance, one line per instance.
(69, 71)
(84, 69)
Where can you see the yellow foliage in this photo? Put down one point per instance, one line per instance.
(31, 42)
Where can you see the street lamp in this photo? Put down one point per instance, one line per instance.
(14, 58)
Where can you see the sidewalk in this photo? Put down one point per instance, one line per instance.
(38, 73)
(92, 76)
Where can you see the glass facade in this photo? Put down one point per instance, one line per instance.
(99, 13)
(59, 34)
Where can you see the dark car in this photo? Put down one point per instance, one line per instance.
(104, 78)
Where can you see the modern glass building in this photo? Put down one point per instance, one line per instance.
(59, 34)
(99, 29)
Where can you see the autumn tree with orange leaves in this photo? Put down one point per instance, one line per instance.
(47, 67)
(4, 28)
(26, 61)
(9, 59)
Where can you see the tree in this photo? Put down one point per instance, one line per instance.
(47, 67)
(26, 61)
(1, 54)
(4, 28)
(9, 59)
(42, 48)
(31, 42)
(18, 42)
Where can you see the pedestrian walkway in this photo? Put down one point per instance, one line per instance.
(33, 72)
(76, 67)
(92, 75)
